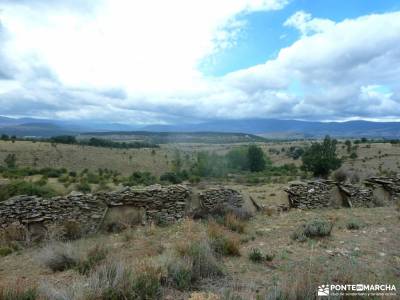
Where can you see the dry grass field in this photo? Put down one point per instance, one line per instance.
(263, 261)
(367, 254)
(372, 159)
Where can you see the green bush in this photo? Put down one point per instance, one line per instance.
(4, 251)
(18, 293)
(171, 177)
(312, 229)
(353, 155)
(257, 256)
(20, 187)
(52, 173)
(354, 224)
(65, 256)
(237, 159)
(146, 283)
(222, 243)
(140, 178)
(201, 259)
(180, 274)
(59, 257)
(210, 165)
(321, 158)
(92, 178)
(93, 257)
(83, 186)
(10, 161)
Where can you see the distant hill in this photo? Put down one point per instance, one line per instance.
(46, 127)
(267, 128)
(291, 128)
(35, 130)
(176, 137)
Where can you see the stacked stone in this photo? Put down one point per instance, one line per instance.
(390, 184)
(31, 209)
(161, 204)
(310, 195)
(220, 197)
(357, 196)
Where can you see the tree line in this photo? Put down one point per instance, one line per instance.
(95, 142)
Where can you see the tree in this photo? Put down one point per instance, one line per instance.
(5, 137)
(348, 145)
(237, 159)
(10, 161)
(321, 158)
(256, 159)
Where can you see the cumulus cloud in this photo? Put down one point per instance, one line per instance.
(139, 62)
(307, 25)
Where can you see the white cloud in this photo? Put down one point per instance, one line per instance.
(125, 61)
(307, 25)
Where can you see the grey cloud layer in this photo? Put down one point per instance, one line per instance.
(345, 70)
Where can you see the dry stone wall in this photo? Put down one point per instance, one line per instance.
(162, 204)
(306, 195)
(30, 209)
(328, 193)
(217, 197)
(389, 184)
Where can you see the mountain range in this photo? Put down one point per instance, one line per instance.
(269, 128)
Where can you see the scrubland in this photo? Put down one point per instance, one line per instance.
(275, 254)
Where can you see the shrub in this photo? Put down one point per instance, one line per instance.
(93, 257)
(12, 233)
(221, 242)
(63, 178)
(52, 173)
(257, 256)
(10, 161)
(194, 179)
(4, 251)
(59, 256)
(72, 230)
(18, 292)
(111, 281)
(93, 178)
(340, 175)
(312, 229)
(171, 177)
(234, 223)
(237, 159)
(64, 256)
(200, 258)
(20, 187)
(42, 181)
(180, 274)
(140, 178)
(354, 224)
(353, 155)
(146, 282)
(84, 187)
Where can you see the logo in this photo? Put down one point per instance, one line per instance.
(323, 290)
(326, 290)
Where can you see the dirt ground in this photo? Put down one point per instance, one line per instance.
(375, 248)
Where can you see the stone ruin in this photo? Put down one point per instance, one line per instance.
(165, 204)
(376, 191)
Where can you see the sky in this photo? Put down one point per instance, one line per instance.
(164, 62)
